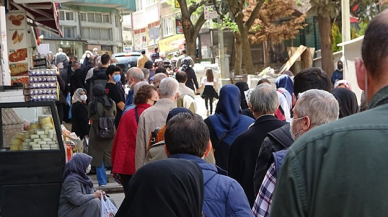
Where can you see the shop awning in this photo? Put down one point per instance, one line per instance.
(43, 14)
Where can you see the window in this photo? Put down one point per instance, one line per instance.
(61, 15)
(98, 18)
(83, 17)
(97, 34)
(91, 17)
(69, 31)
(85, 33)
(168, 26)
(106, 34)
(106, 18)
(69, 16)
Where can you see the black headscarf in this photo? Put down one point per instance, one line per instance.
(347, 101)
(165, 188)
(99, 94)
(243, 86)
(76, 169)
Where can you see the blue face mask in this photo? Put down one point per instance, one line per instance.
(117, 78)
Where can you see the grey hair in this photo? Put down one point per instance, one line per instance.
(319, 105)
(159, 77)
(136, 73)
(264, 99)
(146, 72)
(168, 87)
(138, 86)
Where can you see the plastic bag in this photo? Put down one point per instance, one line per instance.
(108, 209)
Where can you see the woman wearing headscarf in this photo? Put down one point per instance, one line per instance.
(286, 82)
(124, 144)
(78, 197)
(100, 150)
(79, 110)
(283, 113)
(191, 76)
(165, 188)
(347, 101)
(227, 123)
(243, 86)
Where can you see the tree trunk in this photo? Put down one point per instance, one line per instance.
(266, 45)
(191, 45)
(246, 51)
(237, 54)
(324, 23)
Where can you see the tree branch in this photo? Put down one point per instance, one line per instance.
(184, 9)
(254, 13)
(198, 25)
(194, 7)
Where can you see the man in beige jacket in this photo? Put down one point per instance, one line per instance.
(154, 117)
(142, 60)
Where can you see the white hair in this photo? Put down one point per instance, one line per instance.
(319, 105)
(168, 87)
(264, 99)
(138, 86)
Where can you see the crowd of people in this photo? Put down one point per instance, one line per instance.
(303, 148)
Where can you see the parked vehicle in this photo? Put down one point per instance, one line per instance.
(126, 60)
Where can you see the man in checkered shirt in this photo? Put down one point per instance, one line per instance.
(305, 118)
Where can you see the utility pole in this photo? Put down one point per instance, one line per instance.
(345, 20)
(221, 47)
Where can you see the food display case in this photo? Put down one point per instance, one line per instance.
(32, 159)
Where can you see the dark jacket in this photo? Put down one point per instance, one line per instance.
(191, 79)
(76, 81)
(80, 120)
(338, 169)
(62, 89)
(223, 195)
(337, 75)
(244, 151)
(276, 140)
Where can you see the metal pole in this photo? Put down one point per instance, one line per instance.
(345, 20)
(221, 54)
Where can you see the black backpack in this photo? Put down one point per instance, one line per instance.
(105, 128)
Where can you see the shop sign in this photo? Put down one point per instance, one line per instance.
(179, 27)
(210, 12)
(17, 46)
(5, 78)
(177, 5)
(172, 43)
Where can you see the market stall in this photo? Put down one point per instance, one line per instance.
(32, 159)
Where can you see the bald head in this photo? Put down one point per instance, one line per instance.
(134, 75)
(158, 78)
(375, 45)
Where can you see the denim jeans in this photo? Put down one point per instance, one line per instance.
(101, 174)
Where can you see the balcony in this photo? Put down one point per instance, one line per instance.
(124, 6)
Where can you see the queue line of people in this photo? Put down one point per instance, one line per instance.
(271, 165)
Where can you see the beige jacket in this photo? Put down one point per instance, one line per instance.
(183, 89)
(141, 61)
(149, 120)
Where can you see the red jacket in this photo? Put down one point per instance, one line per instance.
(124, 144)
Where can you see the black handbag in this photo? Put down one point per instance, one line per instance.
(105, 128)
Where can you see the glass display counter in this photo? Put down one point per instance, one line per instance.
(32, 159)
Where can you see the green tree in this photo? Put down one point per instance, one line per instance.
(337, 37)
(190, 26)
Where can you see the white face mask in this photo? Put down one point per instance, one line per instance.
(88, 169)
(297, 134)
(83, 98)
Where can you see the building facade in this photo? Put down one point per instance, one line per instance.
(87, 27)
